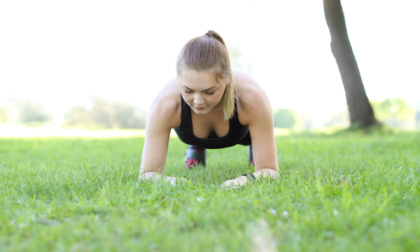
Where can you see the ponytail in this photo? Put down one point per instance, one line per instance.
(213, 34)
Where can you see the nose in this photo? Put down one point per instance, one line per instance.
(198, 99)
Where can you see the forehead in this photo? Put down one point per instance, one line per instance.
(192, 78)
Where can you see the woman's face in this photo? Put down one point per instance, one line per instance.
(201, 90)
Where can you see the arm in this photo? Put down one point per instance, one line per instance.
(155, 144)
(161, 119)
(265, 159)
(259, 117)
(261, 127)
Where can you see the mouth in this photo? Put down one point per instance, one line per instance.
(200, 108)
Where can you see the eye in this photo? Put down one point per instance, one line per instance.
(188, 91)
(210, 93)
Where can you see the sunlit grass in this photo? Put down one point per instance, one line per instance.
(45, 130)
(23, 131)
(348, 192)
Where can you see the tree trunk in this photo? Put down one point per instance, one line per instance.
(360, 109)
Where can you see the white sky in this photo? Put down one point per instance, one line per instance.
(62, 53)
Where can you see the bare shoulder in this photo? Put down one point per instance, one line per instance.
(252, 99)
(166, 106)
(247, 89)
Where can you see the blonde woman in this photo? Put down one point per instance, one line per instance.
(210, 106)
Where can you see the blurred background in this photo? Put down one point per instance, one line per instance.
(99, 64)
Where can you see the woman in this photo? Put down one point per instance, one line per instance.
(210, 106)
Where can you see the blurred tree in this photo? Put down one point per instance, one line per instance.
(4, 114)
(284, 118)
(360, 110)
(418, 116)
(304, 122)
(77, 116)
(107, 114)
(102, 113)
(237, 60)
(30, 111)
(338, 120)
(394, 112)
(130, 117)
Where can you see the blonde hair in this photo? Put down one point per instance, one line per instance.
(205, 53)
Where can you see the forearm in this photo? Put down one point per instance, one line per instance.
(152, 167)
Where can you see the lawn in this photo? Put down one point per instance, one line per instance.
(343, 192)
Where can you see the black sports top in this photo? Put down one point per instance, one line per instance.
(237, 134)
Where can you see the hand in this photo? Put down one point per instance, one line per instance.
(173, 180)
(156, 176)
(235, 183)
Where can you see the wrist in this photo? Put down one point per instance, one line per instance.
(249, 177)
(150, 175)
(266, 172)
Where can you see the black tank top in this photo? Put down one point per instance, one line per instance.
(237, 134)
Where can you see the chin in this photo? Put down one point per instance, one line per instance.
(201, 112)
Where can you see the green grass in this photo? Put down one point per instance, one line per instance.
(346, 192)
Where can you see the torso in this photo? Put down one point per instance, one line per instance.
(213, 122)
(206, 133)
(204, 125)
